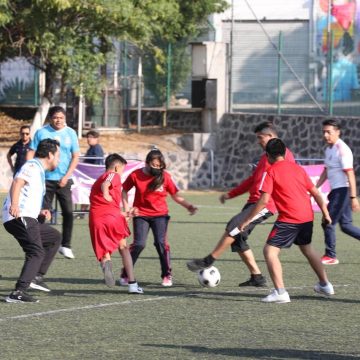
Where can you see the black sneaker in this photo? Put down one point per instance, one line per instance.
(108, 273)
(19, 296)
(197, 264)
(39, 284)
(258, 281)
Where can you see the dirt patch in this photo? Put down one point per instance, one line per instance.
(115, 140)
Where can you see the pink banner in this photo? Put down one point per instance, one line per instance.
(314, 172)
(85, 175)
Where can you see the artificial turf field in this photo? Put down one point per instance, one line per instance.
(83, 319)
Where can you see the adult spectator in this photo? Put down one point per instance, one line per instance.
(58, 182)
(342, 198)
(20, 148)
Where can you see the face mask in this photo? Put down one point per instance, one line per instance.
(154, 171)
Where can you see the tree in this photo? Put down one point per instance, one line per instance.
(70, 40)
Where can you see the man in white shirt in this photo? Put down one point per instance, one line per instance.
(342, 197)
(20, 216)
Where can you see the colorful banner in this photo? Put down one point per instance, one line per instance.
(314, 172)
(85, 175)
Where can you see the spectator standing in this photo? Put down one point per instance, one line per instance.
(339, 170)
(95, 150)
(20, 148)
(58, 182)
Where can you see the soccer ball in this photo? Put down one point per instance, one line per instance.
(209, 277)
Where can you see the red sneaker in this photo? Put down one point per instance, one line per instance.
(326, 260)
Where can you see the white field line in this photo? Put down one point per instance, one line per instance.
(127, 302)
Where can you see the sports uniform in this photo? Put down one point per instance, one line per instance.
(153, 214)
(251, 185)
(107, 225)
(338, 160)
(288, 184)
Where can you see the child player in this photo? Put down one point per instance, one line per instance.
(108, 226)
(289, 185)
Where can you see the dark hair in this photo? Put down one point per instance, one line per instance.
(93, 133)
(24, 127)
(266, 128)
(55, 109)
(332, 122)
(113, 159)
(275, 148)
(156, 154)
(45, 147)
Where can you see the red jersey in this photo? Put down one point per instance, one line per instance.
(150, 203)
(98, 203)
(288, 184)
(252, 183)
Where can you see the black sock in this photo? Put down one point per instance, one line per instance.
(256, 276)
(132, 282)
(209, 260)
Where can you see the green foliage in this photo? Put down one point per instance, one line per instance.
(71, 39)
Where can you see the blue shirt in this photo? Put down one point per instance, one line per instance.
(97, 152)
(69, 145)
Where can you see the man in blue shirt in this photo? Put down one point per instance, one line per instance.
(58, 182)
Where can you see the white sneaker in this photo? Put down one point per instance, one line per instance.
(66, 252)
(327, 289)
(135, 289)
(274, 296)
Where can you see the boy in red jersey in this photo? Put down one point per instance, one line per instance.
(264, 132)
(152, 184)
(108, 226)
(288, 184)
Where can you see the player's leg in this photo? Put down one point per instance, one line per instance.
(141, 229)
(256, 279)
(128, 266)
(159, 226)
(65, 200)
(271, 254)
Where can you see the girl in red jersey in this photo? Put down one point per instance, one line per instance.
(108, 226)
(152, 184)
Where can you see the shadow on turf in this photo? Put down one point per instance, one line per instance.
(258, 353)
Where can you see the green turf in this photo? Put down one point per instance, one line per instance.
(83, 319)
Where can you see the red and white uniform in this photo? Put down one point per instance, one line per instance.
(150, 203)
(288, 184)
(107, 225)
(252, 183)
(338, 160)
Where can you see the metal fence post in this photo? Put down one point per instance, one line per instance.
(280, 46)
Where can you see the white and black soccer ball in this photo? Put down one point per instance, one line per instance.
(209, 277)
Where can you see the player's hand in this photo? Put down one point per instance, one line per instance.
(355, 205)
(46, 213)
(223, 198)
(192, 209)
(325, 221)
(14, 210)
(63, 181)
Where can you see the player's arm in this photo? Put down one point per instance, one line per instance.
(352, 190)
(322, 178)
(73, 164)
(16, 187)
(241, 189)
(181, 201)
(9, 159)
(105, 186)
(315, 193)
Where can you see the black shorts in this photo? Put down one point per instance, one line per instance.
(240, 243)
(283, 234)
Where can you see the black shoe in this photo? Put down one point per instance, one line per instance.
(38, 284)
(19, 296)
(197, 264)
(258, 281)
